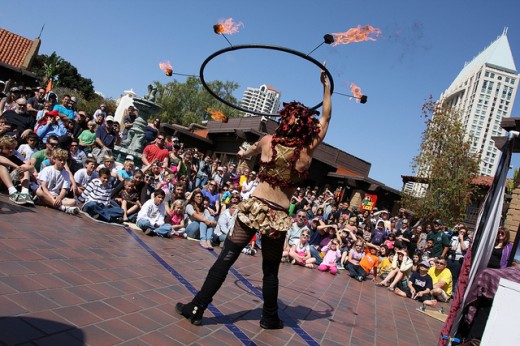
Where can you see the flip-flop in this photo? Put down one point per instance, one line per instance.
(379, 284)
(391, 289)
(202, 246)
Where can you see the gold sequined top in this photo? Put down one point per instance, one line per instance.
(281, 170)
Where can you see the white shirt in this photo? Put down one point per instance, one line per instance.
(26, 151)
(153, 213)
(55, 180)
(82, 178)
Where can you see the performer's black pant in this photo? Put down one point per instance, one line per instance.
(271, 255)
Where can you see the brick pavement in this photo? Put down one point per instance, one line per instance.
(67, 280)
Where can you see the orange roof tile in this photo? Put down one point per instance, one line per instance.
(202, 133)
(13, 48)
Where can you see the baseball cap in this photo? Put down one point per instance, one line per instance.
(74, 99)
(53, 113)
(425, 264)
(438, 222)
(129, 158)
(110, 118)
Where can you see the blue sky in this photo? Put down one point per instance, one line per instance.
(424, 45)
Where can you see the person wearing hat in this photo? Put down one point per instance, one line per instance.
(419, 286)
(100, 111)
(50, 124)
(105, 140)
(441, 241)
(64, 108)
(21, 122)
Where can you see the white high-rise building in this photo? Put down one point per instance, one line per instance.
(484, 92)
(264, 100)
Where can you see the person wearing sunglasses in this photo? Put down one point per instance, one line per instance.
(442, 280)
(301, 253)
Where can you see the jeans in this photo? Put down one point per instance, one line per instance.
(199, 230)
(162, 231)
(106, 213)
(316, 254)
(356, 270)
(217, 239)
(201, 181)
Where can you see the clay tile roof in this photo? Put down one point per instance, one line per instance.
(482, 180)
(13, 48)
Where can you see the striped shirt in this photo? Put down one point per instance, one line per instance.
(97, 192)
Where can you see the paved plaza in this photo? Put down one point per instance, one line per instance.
(67, 280)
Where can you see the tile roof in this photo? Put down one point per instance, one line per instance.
(14, 48)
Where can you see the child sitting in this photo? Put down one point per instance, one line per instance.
(419, 286)
(368, 263)
(177, 219)
(332, 254)
(300, 252)
(127, 172)
(55, 184)
(128, 199)
(152, 215)
(85, 175)
(10, 165)
(385, 263)
(31, 147)
(97, 199)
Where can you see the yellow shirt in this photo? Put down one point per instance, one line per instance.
(444, 275)
(385, 267)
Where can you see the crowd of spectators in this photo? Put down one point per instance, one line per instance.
(55, 155)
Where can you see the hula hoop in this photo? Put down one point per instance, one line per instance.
(260, 46)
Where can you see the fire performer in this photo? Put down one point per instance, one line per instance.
(294, 141)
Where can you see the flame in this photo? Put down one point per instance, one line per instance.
(166, 67)
(217, 115)
(361, 33)
(356, 91)
(227, 26)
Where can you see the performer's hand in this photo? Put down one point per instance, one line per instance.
(323, 76)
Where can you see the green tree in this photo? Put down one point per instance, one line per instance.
(446, 164)
(63, 74)
(186, 103)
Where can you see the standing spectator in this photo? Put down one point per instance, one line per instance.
(501, 250)
(441, 241)
(105, 140)
(405, 236)
(155, 152)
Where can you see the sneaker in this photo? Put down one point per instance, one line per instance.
(253, 252)
(340, 267)
(72, 210)
(148, 231)
(422, 308)
(27, 198)
(360, 278)
(15, 197)
(293, 261)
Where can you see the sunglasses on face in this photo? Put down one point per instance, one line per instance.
(305, 236)
(440, 263)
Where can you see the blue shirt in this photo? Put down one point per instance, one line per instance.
(124, 174)
(63, 110)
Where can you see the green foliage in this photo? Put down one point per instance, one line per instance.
(63, 74)
(89, 106)
(186, 103)
(446, 163)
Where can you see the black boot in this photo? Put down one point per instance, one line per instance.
(271, 322)
(191, 311)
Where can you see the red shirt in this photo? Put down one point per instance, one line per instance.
(153, 152)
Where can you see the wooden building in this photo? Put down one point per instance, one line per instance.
(17, 55)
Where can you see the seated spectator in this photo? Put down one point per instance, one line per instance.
(249, 185)
(87, 138)
(354, 257)
(109, 163)
(151, 217)
(211, 192)
(390, 241)
(13, 168)
(369, 263)
(96, 199)
(31, 147)
(419, 286)
(226, 222)
(55, 184)
(77, 156)
(127, 172)
(38, 157)
(401, 270)
(442, 281)
(152, 130)
(85, 175)
(105, 139)
(293, 235)
(201, 222)
(300, 253)
(203, 173)
(385, 263)
(128, 200)
(176, 219)
(139, 184)
(65, 108)
(155, 152)
(378, 235)
(21, 122)
(332, 255)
